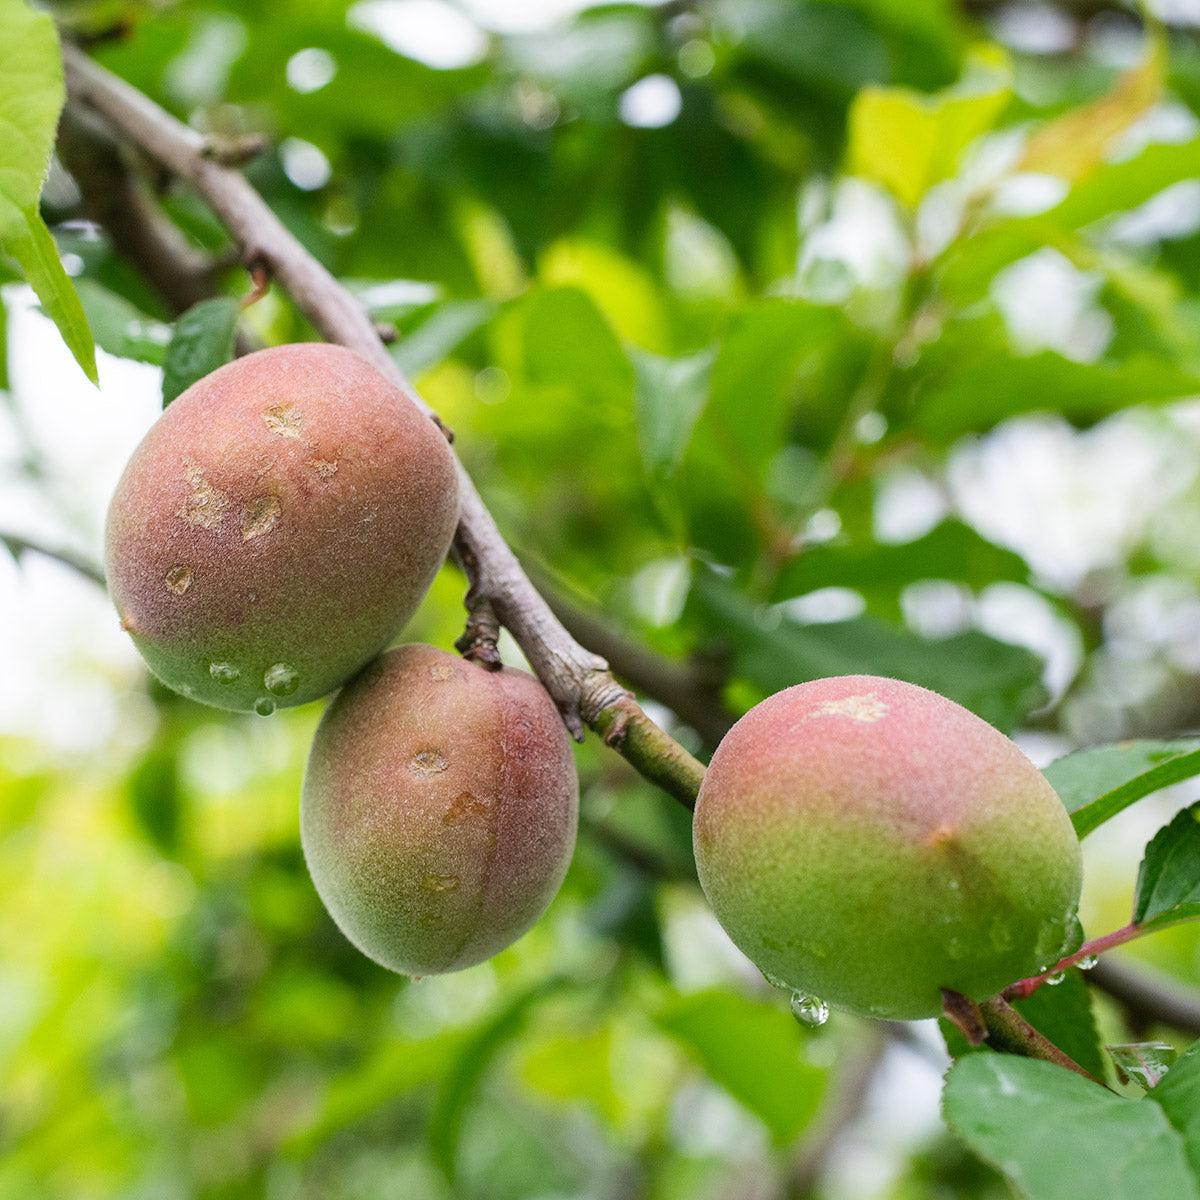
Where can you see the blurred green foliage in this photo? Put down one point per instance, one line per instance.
(690, 358)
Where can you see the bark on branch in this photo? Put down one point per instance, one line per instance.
(579, 680)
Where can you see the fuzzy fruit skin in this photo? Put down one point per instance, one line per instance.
(439, 809)
(871, 842)
(288, 511)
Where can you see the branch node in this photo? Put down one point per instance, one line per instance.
(478, 641)
(388, 333)
(232, 151)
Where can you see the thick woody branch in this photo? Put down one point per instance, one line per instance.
(578, 680)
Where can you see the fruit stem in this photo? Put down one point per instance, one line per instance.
(1009, 1033)
(654, 754)
(1026, 987)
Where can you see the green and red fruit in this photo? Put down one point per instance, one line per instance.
(277, 527)
(871, 842)
(439, 809)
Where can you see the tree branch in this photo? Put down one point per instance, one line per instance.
(579, 681)
(1148, 1000)
(17, 545)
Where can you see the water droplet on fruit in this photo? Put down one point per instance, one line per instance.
(223, 672)
(809, 1010)
(281, 679)
(1056, 978)
(1088, 962)
(441, 883)
(264, 706)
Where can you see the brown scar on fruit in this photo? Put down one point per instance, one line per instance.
(126, 624)
(284, 420)
(465, 807)
(441, 672)
(323, 467)
(426, 763)
(205, 505)
(260, 516)
(858, 708)
(178, 580)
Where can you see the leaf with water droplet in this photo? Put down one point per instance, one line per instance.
(1088, 961)
(1143, 1063)
(223, 672)
(264, 706)
(1055, 979)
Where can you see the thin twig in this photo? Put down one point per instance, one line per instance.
(579, 681)
(18, 544)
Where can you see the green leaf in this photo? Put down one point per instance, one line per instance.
(908, 141)
(998, 681)
(202, 342)
(951, 550)
(1097, 783)
(461, 1081)
(668, 397)
(27, 239)
(1143, 1063)
(1064, 1014)
(1168, 883)
(755, 379)
(440, 334)
(31, 97)
(1058, 1136)
(1179, 1096)
(980, 390)
(569, 344)
(752, 1050)
(120, 328)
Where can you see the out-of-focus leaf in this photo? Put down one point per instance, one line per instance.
(1072, 145)
(668, 398)
(1168, 882)
(440, 334)
(202, 342)
(569, 344)
(950, 550)
(120, 328)
(1058, 1136)
(998, 681)
(752, 1050)
(1064, 1014)
(757, 373)
(907, 141)
(590, 61)
(469, 1066)
(977, 393)
(1097, 783)
(822, 46)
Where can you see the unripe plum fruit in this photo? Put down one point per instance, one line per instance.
(869, 842)
(277, 527)
(439, 809)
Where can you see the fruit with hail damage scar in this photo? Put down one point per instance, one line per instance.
(439, 809)
(277, 527)
(870, 842)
